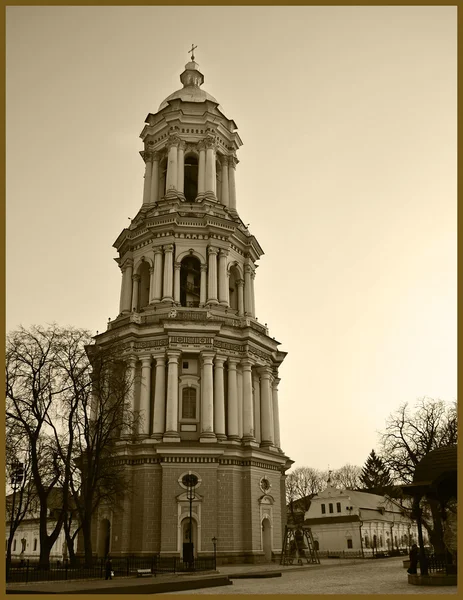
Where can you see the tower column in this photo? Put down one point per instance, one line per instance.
(154, 191)
(253, 298)
(247, 290)
(157, 274)
(177, 282)
(201, 167)
(202, 286)
(126, 287)
(276, 416)
(223, 278)
(171, 433)
(207, 399)
(232, 162)
(232, 432)
(130, 403)
(266, 407)
(212, 275)
(151, 292)
(147, 183)
(219, 399)
(159, 413)
(256, 382)
(145, 389)
(135, 286)
(225, 183)
(210, 167)
(181, 166)
(168, 259)
(240, 286)
(248, 413)
(172, 169)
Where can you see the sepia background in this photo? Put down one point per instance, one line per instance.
(347, 177)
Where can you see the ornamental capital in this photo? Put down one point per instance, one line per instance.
(212, 250)
(147, 156)
(136, 277)
(173, 140)
(156, 156)
(168, 248)
(247, 269)
(223, 252)
(265, 372)
(157, 249)
(203, 268)
(233, 161)
(246, 364)
(131, 362)
(201, 145)
(181, 145)
(177, 266)
(128, 262)
(240, 282)
(210, 143)
(224, 161)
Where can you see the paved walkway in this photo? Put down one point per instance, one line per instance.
(332, 576)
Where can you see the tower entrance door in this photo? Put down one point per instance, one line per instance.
(186, 535)
(267, 539)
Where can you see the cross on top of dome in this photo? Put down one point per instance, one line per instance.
(193, 48)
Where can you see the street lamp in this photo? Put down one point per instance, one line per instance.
(17, 475)
(189, 481)
(214, 541)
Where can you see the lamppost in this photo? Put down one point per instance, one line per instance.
(17, 474)
(189, 481)
(214, 541)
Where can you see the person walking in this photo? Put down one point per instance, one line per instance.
(109, 568)
(413, 560)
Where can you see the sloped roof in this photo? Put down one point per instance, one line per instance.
(436, 464)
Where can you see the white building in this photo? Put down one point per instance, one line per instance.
(26, 541)
(347, 520)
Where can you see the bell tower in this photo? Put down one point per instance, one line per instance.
(204, 370)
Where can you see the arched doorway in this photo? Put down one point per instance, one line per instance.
(267, 539)
(104, 537)
(185, 526)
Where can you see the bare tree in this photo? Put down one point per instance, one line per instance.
(410, 434)
(69, 411)
(301, 485)
(32, 386)
(104, 413)
(347, 477)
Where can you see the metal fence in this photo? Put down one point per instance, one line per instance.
(438, 563)
(30, 571)
(366, 553)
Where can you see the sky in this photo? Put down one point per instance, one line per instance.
(347, 177)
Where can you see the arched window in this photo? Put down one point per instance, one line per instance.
(367, 542)
(189, 403)
(316, 545)
(144, 285)
(190, 183)
(233, 288)
(190, 281)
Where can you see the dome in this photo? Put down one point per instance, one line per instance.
(191, 78)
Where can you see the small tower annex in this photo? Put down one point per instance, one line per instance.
(204, 370)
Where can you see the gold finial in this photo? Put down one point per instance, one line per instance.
(193, 48)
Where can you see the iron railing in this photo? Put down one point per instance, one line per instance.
(28, 571)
